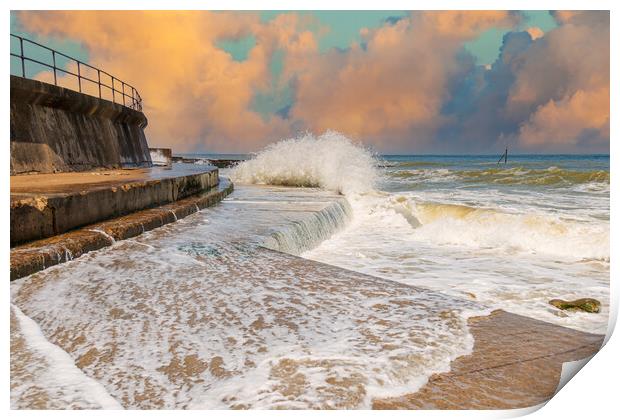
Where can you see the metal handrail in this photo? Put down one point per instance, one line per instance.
(131, 100)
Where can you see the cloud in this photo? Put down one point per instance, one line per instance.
(568, 122)
(195, 94)
(408, 85)
(562, 83)
(535, 32)
(546, 93)
(389, 90)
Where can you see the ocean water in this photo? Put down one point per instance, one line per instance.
(510, 236)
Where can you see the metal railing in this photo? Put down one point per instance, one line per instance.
(127, 95)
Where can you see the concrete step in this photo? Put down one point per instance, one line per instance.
(39, 255)
(44, 205)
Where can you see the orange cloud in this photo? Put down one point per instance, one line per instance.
(535, 32)
(560, 124)
(194, 93)
(389, 90)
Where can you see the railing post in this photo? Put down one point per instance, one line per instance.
(123, 89)
(54, 62)
(79, 78)
(113, 98)
(99, 81)
(21, 48)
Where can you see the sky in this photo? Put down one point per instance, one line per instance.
(397, 81)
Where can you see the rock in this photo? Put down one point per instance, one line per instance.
(585, 305)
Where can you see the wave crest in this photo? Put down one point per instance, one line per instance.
(330, 161)
(459, 224)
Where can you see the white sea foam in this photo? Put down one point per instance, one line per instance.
(51, 369)
(205, 317)
(512, 261)
(330, 161)
(158, 158)
(539, 233)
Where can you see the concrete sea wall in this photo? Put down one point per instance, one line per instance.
(54, 129)
(38, 255)
(36, 216)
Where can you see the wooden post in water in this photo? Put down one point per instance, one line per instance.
(504, 156)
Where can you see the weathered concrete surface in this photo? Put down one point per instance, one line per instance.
(54, 129)
(516, 363)
(43, 205)
(38, 255)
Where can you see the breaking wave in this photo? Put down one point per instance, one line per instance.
(330, 161)
(333, 162)
(456, 224)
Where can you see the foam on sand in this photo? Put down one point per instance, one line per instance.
(198, 314)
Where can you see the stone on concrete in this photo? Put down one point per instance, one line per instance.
(584, 304)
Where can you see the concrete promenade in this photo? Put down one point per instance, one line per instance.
(45, 205)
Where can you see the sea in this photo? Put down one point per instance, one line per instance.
(218, 310)
(509, 234)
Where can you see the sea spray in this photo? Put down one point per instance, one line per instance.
(330, 161)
